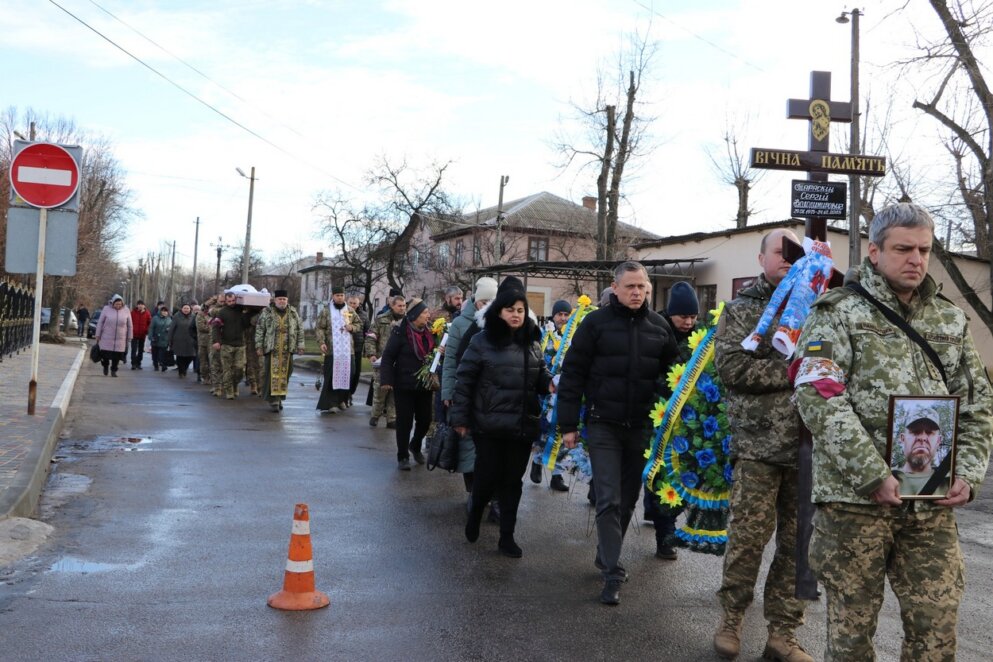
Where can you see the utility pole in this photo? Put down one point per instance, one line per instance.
(172, 277)
(217, 275)
(248, 225)
(499, 220)
(854, 183)
(196, 246)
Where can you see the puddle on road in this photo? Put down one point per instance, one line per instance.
(103, 444)
(71, 564)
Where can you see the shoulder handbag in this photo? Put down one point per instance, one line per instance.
(95, 352)
(941, 472)
(443, 448)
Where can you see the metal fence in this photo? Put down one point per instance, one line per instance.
(16, 314)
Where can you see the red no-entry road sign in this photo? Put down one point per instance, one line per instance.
(44, 175)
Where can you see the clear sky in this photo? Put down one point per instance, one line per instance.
(331, 84)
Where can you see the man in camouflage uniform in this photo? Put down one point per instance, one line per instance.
(216, 369)
(375, 343)
(203, 340)
(253, 366)
(764, 440)
(851, 360)
(227, 330)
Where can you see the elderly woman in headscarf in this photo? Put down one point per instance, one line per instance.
(113, 334)
(409, 344)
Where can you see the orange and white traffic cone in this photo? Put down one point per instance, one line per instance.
(298, 591)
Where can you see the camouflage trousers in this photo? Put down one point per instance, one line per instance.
(382, 401)
(854, 550)
(203, 351)
(253, 368)
(232, 368)
(763, 502)
(216, 371)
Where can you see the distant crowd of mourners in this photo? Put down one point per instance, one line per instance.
(883, 372)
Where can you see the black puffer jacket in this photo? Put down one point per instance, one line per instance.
(615, 360)
(500, 379)
(400, 364)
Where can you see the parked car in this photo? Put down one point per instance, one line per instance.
(46, 317)
(91, 326)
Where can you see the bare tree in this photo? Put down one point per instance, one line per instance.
(104, 212)
(407, 195)
(613, 141)
(962, 103)
(732, 167)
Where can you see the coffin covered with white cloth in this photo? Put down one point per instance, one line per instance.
(247, 295)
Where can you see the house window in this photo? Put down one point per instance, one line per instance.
(707, 294)
(415, 258)
(477, 252)
(538, 249)
(459, 252)
(442, 256)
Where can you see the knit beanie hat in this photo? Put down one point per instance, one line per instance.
(682, 300)
(414, 309)
(511, 283)
(561, 306)
(486, 289)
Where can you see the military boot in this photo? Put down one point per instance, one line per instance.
(784, 648)
(727, 639)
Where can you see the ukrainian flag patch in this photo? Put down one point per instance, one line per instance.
(818, 348)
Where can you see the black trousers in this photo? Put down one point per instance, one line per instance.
(183, 363)
(617, 455)
(413, 412)
(137, 350)
(499, 470)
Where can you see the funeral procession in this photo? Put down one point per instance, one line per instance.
(611, 331)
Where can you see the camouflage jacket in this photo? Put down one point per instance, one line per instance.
(322, 327)
(848, 336)
(203, 327)
(764, 423)
(379, 333)
(265, 330)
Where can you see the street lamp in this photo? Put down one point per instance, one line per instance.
(248, 226)
(854, 194)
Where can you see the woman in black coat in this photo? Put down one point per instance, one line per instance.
(497, 396)
(410, 342)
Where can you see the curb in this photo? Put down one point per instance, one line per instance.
(21, 498)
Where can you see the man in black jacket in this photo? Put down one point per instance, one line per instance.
(615, 360)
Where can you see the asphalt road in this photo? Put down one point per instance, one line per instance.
(172, 512)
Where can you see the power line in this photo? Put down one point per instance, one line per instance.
(198, 99)
(192, 68)
(699, 37)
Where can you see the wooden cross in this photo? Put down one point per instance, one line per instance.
(819, 110)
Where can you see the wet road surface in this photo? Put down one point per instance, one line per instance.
(173, 510)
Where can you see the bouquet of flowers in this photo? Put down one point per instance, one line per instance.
(688, 463)
(577, 460)
(427, 374)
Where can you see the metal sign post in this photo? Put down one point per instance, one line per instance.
(36, 328)
(44, 176)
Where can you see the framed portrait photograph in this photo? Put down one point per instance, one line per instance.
(920, 447)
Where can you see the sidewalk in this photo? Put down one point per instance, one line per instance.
(27, 442)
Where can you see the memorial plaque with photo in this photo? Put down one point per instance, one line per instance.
(920, 446)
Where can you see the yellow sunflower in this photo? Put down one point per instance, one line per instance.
(584, 301)
(670, 496)
(556, 343)
(675, 374)
(438, 326)
(657, 413)
(715, 314)
(694, 340)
